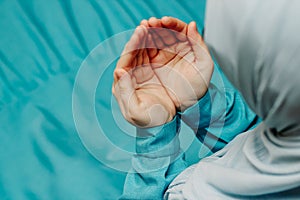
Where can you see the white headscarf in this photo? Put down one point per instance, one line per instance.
(257, 43)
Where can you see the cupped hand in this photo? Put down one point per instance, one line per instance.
(179, 58)
(143, 100)
(165, 66)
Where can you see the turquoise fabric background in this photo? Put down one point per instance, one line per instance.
(42, 45)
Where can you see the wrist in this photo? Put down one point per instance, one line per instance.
(200, 109)
(192, 102)
(150, 140)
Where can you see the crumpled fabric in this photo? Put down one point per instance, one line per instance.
(42, 46)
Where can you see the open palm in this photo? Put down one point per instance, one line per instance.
(165, 66)
(179, 58)
(143, 100)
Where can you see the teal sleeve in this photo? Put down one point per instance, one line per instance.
(216, 119)
(157, 162)
(219, 116)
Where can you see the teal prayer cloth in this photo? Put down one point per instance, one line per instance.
(42, 46)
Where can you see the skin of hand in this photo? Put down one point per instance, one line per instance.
(143, 100)
(164, 67)
(180, 59)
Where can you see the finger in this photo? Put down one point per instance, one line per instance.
(132, 48)
(157, 39)
(136, 39)
(143, 72)
(176, 25)
(139, 59)
(200, 50)
(141, 56)
(196, 41)
(146, 60)
(194, 33)
(151, 47)
(167, 36)
(141, 33)
(144, 22)
(124, 91)
(154, 22)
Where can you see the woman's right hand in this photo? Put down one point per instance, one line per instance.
(143, 100)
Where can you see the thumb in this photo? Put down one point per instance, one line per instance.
(124, 91)
(196, 40)
(201, 52)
